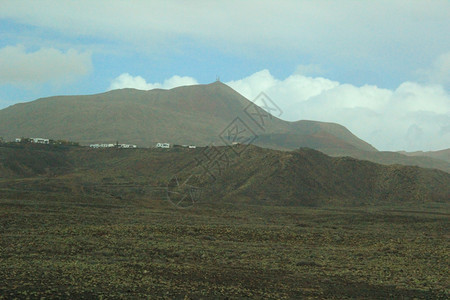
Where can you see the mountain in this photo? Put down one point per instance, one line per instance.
(185, 115)
(199, 115)
(303, 177)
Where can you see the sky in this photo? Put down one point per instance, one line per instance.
(380, 68)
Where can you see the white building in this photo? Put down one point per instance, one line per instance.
(162, 145)
(40, 141)
(18, 140)
(101, 145)
(127, 146)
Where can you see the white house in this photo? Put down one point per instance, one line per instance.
(162, 145)
(18, 140)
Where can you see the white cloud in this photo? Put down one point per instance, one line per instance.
(295, 88)
(20, 67)
(411, 117)
(127, 81)
(137, 82)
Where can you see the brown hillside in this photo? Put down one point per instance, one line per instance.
(303, 177)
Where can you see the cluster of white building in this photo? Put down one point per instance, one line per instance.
(35, 140)
(124, 146)
(96, 146)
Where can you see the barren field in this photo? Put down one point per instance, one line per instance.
(116, 249)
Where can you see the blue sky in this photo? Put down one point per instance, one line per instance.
(380, 68)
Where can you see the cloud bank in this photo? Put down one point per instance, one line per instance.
(411, 117)
(19, 67)
(384, 34)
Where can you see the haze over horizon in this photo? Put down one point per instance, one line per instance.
(380, 68)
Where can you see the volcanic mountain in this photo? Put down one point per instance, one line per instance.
(185, 115)
(198, 115)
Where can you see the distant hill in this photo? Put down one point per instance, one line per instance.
(443, 155)
(389, 158)
(308, 177)
(199, 115)
(302, 177)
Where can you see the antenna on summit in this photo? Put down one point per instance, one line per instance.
(217, 78)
